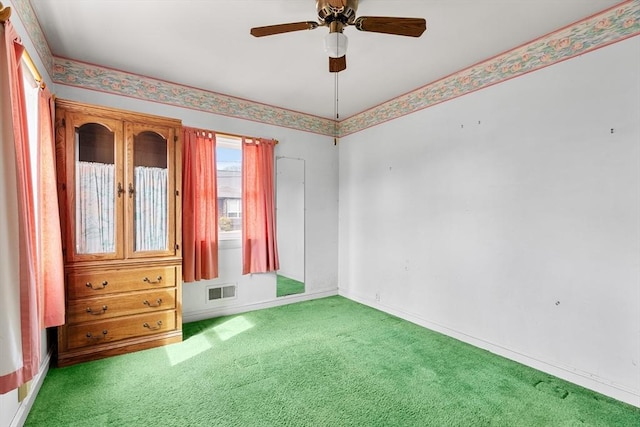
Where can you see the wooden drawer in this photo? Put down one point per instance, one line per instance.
(96, 283)
(96, 333)
(107, 307)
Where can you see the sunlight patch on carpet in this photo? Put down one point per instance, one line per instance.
(233, 327)
(324, 362)
(180, 352)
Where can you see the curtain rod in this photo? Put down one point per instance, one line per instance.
(5, 13)
(253, 138)
(33, 69)
(233, 135)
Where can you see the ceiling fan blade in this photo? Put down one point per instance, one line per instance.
(412, 27)
(337, 64)
(270, 30)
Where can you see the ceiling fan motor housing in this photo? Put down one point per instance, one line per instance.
(336, 15)
(343, 11)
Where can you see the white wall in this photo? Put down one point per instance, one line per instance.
(510, 218)
(321, 162)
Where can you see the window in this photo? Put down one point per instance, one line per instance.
(229, 175)
(31, 90)
(31, 87)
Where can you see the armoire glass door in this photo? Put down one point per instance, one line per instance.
(150, 191)
(98, 189)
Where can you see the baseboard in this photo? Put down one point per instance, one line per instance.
(25, 406)
(583, 379)
(227, 310)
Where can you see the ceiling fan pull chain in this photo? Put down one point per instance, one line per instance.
(337, 104)
(336, 112)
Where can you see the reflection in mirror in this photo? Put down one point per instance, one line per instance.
(290, 225)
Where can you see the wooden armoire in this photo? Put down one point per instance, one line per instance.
(119, 180)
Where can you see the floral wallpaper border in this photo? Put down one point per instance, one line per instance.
(609, 26)
(31, 24)
(116, 82)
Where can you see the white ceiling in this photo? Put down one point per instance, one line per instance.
(206, 44)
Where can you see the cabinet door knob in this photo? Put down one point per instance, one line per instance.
(131, 190)
(120, 189)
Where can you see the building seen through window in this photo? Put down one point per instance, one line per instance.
(229, 175)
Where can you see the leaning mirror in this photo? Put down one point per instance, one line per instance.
(290, 225)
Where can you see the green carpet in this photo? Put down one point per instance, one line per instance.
(288, 286)
(327, 362)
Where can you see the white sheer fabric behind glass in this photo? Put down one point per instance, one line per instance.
(95, 208)
(151, 208)
(95, 216)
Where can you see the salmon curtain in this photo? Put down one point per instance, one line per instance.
(259, 247)
(20, 331)
(51, 264)
(199, 206)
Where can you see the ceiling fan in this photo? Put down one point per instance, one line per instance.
(338, 14)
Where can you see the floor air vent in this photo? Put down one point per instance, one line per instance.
(215, 293)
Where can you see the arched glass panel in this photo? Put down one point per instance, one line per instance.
(95, 219)
(151, 213)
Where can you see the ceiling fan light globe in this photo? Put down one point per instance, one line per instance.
(335, 44)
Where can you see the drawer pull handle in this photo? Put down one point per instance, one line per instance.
(151, 282)
(97, 337)
(157, 304)
(153, 328)
(90, 285)
(97, 313)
